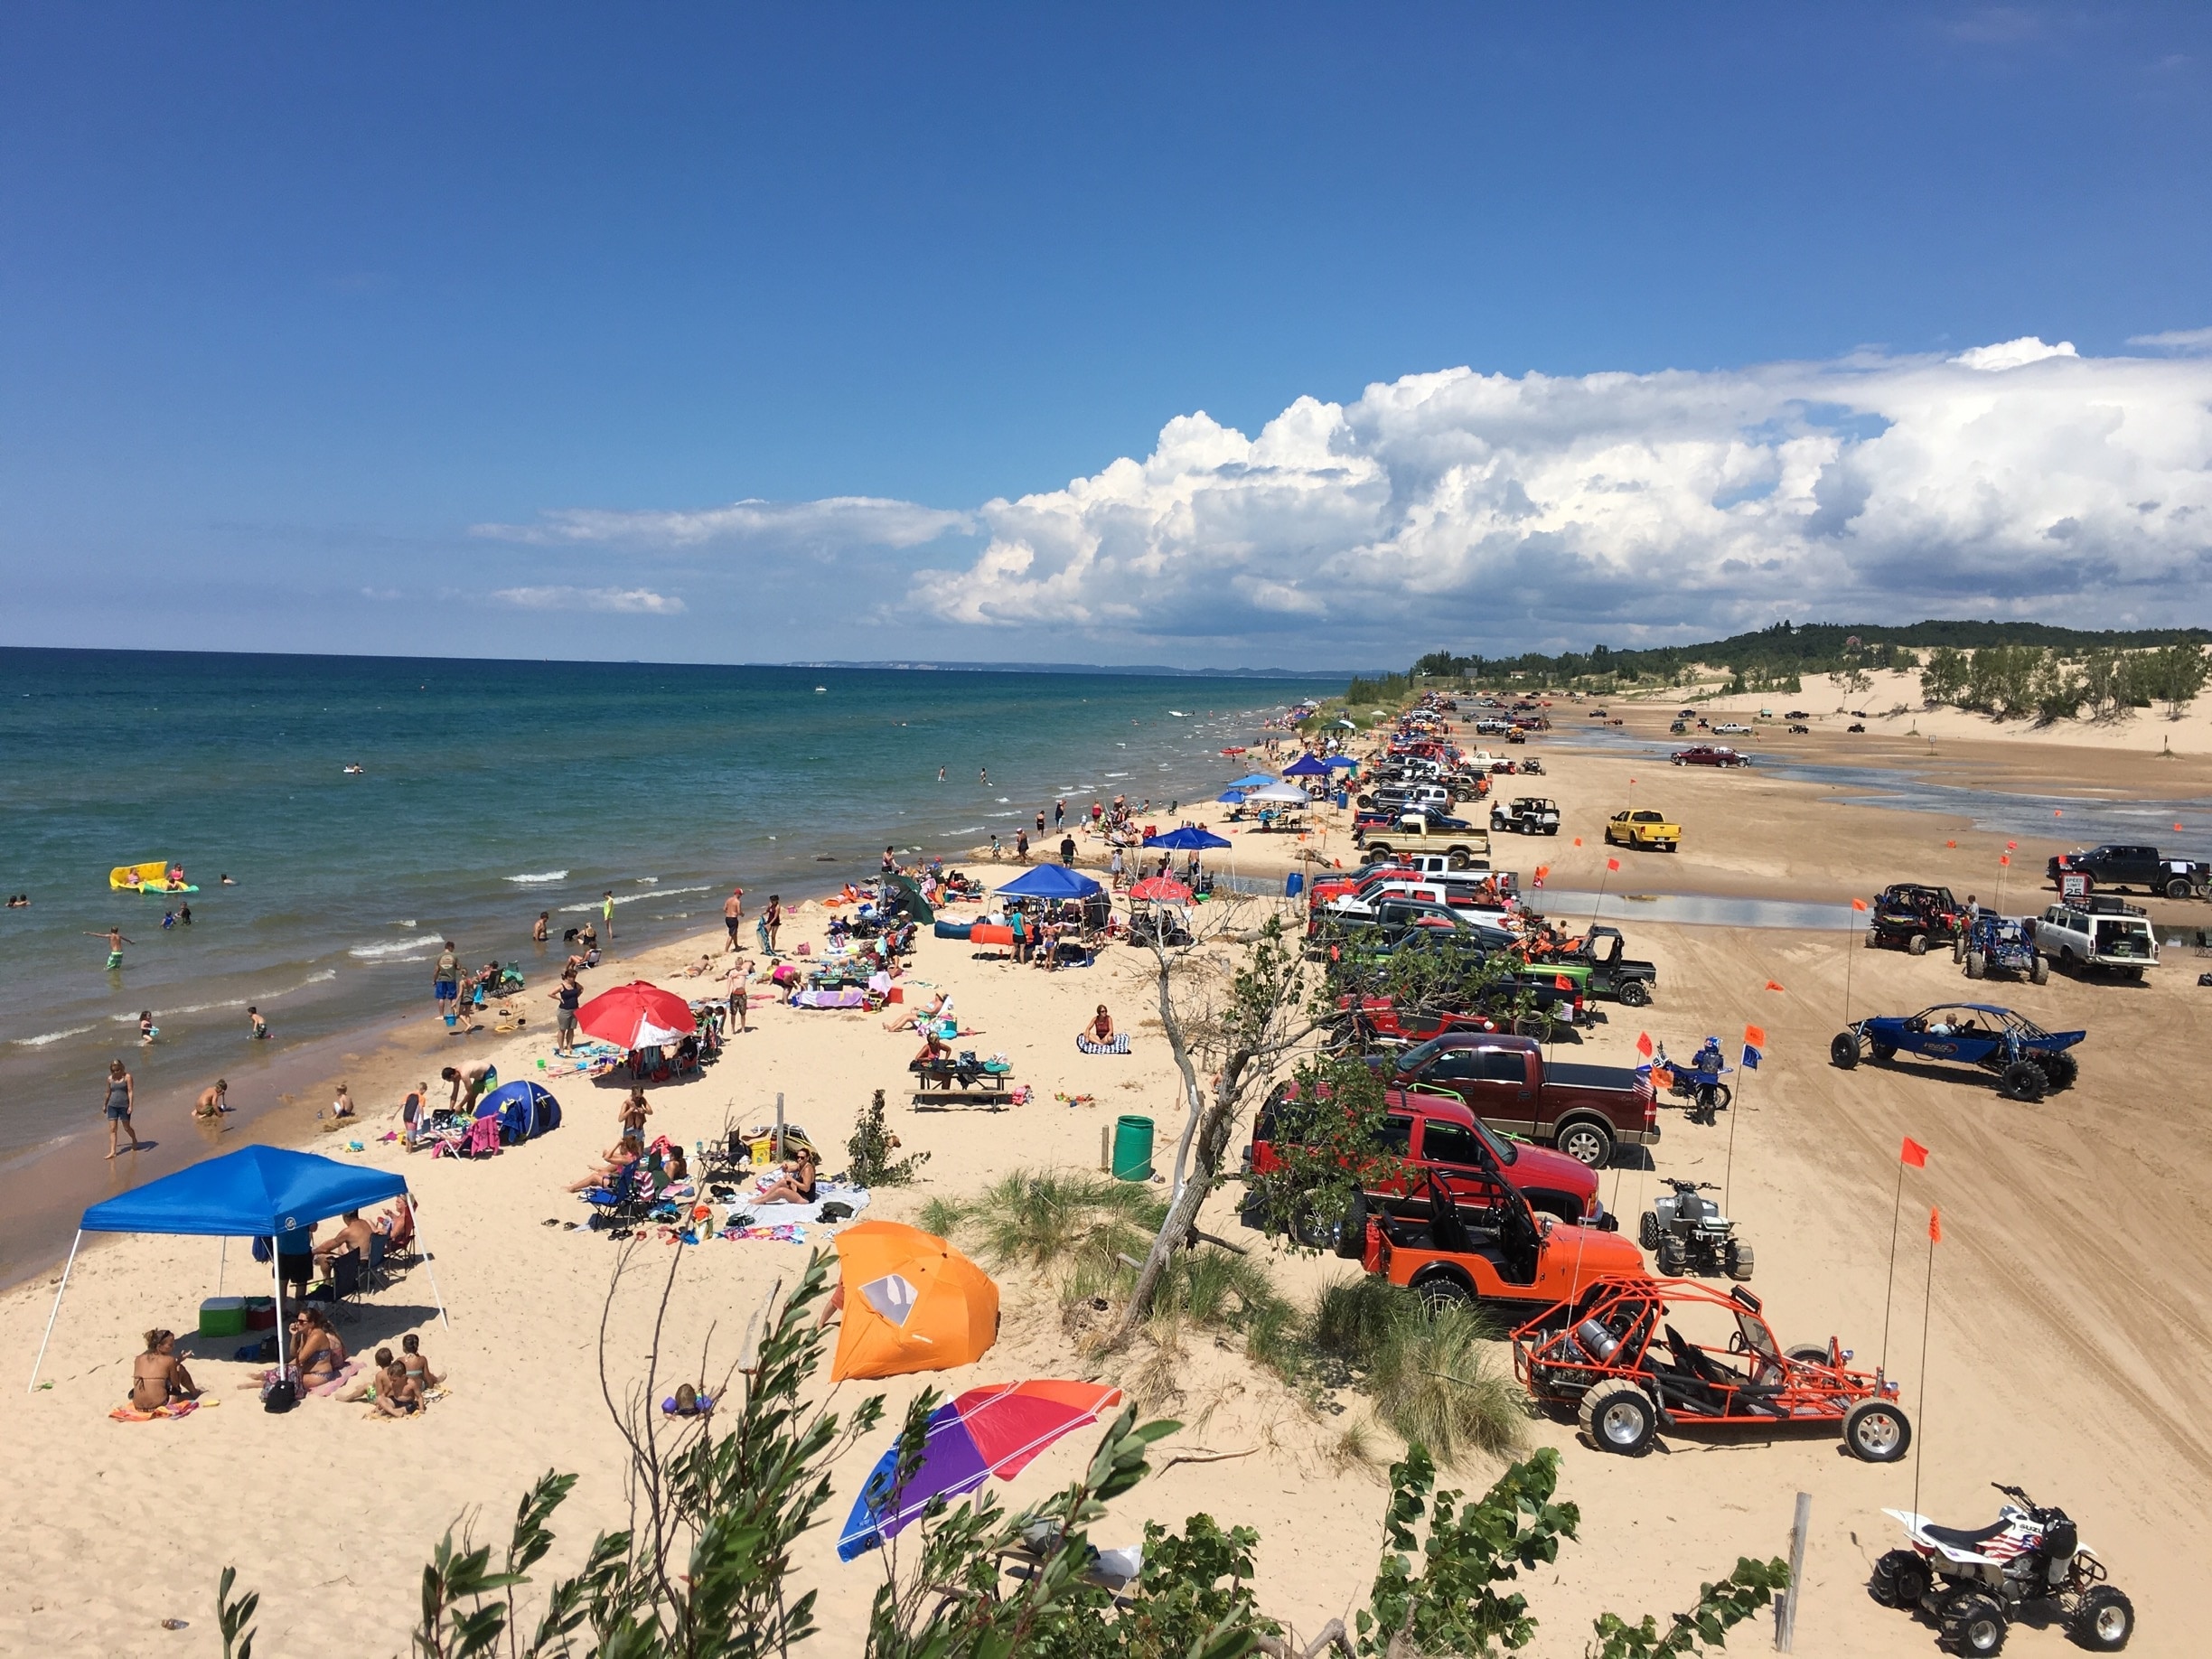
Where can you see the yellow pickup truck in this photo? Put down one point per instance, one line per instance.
(1643, 828)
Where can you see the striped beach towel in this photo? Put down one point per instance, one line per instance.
(1120, 1045)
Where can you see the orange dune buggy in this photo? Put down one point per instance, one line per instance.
(1617, 1358)
(1481, 1242)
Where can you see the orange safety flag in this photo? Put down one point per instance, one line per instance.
(1643, 1044)
(2058, 811)
(1859, 904)
(2011, 847)
(1543, 870)
(1914, 1154)
(1774, 985)
(1612, 864)
(2004, 858)
(1560, 981)
(1663, 1077)
(1578, 840)
(1950, 843)
(1934, 1225)
(1755, 1036)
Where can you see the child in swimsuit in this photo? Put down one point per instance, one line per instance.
(411, 1361)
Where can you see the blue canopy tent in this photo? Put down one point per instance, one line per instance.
(256, 1192)
(1306, 766)
(1253, 781)
(1232, 797)
(1189, 838)
(1341, 761)
(1052, 881)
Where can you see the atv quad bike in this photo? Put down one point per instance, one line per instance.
(1687, 1234)
(1976, 1583)
(2029, 1062)
(1616, 1359)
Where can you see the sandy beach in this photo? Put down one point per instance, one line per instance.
(2069, 1331)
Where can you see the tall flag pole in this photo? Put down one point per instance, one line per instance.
(1755, 1042)
(1915, 1155)
(1851, 939)
(1920, 1439)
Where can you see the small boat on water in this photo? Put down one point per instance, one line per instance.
(1237, 751)
(153, 876)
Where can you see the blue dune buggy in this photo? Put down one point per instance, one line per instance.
(2029, 1061)
(1998, 945)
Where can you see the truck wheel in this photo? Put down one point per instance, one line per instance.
(1843, 1050)
(1309, 1229)
(1877, 1430)
(1618, 1417)
(1647, 1231)
(2105, 1620)
(2023, 1080)
(1672, 1256)
(1975, 1624)
(1916, 945)
(2061, 1069)
(1587, 1142)
(1352, 1233)
(1900, 1579)
(2177, 888)
(1377, 851)
(1672, 847)
(2040, 972)
(1738, 1260)
(1976, 964)
(1634, 994)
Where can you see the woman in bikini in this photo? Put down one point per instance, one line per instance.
(796, 1184)
(320, 1355)
(158, 1376)
(626, 1151)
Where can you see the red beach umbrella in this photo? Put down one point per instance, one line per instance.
(1166, 889)
(636, 1015)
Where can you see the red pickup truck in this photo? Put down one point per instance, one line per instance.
(1584, 1111)
(1423, 1133)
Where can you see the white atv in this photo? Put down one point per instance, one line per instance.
(1688, 1234)
(1975, 1583)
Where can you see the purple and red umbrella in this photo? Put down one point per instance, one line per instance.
(983, 1433)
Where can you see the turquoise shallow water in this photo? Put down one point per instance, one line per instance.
(490, 792)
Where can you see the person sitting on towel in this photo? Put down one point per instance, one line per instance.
(796, 1184)
(1100, 1030)
(158, 1376)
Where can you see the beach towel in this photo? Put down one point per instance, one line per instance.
(831, 999)
(175, 1407)
(758, 1220)
(1120, 1045)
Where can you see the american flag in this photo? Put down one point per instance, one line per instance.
(1644, 1094)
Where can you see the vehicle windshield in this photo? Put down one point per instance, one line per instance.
(1505, 1151)
(1419, 1054)
(1758, 1338)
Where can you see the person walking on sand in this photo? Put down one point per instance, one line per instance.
(733, 915)
(1021, 846)
(119, 1107)
(446, 981)
(115, 942)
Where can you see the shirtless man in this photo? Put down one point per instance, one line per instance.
(733, 913)
(353, 1235)
(739, 981)
(115, 942)
(470, 1077)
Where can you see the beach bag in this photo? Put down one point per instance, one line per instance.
(280, 1394)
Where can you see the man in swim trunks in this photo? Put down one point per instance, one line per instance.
(445, 981)
(115, 942)
(733, 913)
(474, 1077)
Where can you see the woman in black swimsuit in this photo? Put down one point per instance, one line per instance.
(796, 1184)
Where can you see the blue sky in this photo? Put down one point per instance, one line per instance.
(311, 316)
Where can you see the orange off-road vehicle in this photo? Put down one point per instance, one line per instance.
(1619, 1362)
(1484, 1243)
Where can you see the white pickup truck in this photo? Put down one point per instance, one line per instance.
(2118, 938)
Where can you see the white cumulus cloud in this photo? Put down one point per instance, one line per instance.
(834, 522)
(2015, 479)
(637, 601)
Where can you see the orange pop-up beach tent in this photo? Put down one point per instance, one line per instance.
(911, 1303)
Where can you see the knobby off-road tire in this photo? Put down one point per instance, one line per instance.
(2023, 1081)
(1916, 945)
(2061, 1069)
(2040, 972)
(2104, 1621)
(1647, 1232)
(1672, 1256)
(1619, 1417)
(1975, 1624)
(1977, 965)
(1899, 1579)
(1634, 994)
(1738, 1259)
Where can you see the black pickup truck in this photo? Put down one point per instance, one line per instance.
(2115, 865)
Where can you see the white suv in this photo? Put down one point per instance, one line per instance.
(2075, 939)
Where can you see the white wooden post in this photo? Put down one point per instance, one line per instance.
(1786, 1609)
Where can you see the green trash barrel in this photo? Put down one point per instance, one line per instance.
(1132, 1150)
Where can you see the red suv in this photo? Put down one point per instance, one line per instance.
(1431, 1132)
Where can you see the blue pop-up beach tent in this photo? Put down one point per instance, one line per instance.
(256, 1192)
(1253, 779)
(1189, 838)
(1051, 881)
(1306, 766)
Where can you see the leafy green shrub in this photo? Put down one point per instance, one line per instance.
(869, 1154)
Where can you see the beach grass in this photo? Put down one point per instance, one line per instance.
(1428, 1372)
